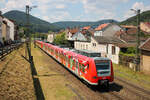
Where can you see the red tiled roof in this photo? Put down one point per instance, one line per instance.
(129, 35)
(101, 26)
(128, 26)
(73, 30)
(86, 27)
(146, 45)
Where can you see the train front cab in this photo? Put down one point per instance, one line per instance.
(104, 71)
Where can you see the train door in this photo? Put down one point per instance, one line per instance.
(71, 62)
(66, 61)
(76, 66)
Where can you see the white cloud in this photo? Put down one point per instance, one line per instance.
(46, 18)
(15, 4)
(140, 5)
(60, 6)
(57, 16)
(136, 6)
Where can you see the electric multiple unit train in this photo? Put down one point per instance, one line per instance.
(94, 70)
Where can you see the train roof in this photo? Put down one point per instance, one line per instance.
(88, 51)
(100, 58)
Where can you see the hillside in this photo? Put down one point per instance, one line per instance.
(36, 23)
(65, 24)
(145, 16)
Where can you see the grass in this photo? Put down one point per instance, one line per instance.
(134, 77)
(127, 54)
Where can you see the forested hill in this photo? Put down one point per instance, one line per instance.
(36, 23)
(145, 17)
(65, 24)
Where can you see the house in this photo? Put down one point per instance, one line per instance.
(1, 22)
(106, 46)
(99, 29)
(70, 32)
(129, 34)
(111, 29)
(86, 28)
(108, 29)
(50, 37)
(145, 26)
(79, 37)
(5, 31)
(10, 24)
(145, 57)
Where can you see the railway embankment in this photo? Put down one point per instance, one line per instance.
(15, 77)
(136, 78)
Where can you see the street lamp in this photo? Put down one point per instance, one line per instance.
(28, 9)
(138, 39)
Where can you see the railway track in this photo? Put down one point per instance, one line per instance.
(138, 91)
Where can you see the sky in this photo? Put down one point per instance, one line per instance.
(77, 10)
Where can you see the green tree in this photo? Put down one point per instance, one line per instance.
(60, 39)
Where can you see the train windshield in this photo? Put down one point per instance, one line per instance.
(102, 64)
(94, 55)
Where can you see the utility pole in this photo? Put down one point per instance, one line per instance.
(137, 61)
(28, 43)
(28, 35)
(138, 40)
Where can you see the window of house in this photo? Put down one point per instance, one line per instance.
(87, 47)
(94, 44)
(113, 50)
(107, 48)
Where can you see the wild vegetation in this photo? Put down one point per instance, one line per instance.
(60, 39)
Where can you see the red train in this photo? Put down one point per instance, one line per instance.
(93, 70)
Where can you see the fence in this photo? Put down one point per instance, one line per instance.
(4, 50)
(128, 61)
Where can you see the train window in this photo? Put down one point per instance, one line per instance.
(103, 65)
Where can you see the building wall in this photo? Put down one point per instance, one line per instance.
(113, 28)
(12, 28)
(144, 27)
(98, 33)
(4, 30)
(50, 38)
(96, 47)
(114, 57)
(145, 61)
(80, 45)
(104, 49)
(1, 20)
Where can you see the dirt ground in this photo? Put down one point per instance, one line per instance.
(15, 78)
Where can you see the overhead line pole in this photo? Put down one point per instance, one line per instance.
(138, 40)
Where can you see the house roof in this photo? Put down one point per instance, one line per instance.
(86, 27)
(101, 26)
(129, 35)
(74, 30)
(128, 26)
(125, 45)
(146, 45)
(103, 39)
